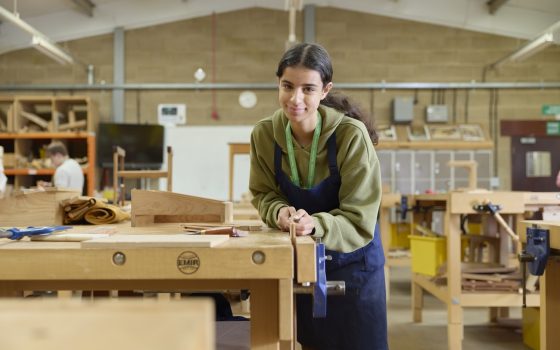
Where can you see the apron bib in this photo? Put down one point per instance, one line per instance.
(357, 320)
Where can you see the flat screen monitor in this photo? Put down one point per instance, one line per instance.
(143, 144)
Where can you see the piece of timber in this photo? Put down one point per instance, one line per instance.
(304, 247)
(150, 207)
(35, 119)
(80, 124)
(463, 202)
(143, 240)
(39, 208)
(53, 324)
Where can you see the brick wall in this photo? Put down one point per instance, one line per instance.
(364, 48)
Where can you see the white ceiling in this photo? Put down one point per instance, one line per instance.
(63, 20)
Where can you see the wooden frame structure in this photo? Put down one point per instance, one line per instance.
(261, 262)
(119, 155)
(235, 148)
(124, 324)
(513, 204)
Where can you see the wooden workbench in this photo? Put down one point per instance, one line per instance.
(125, 324)
(456, 203)
(549, 286)
(31, 265)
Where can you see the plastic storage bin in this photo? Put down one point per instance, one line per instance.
(428, 253)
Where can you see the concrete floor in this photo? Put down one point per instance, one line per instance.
(431, 334)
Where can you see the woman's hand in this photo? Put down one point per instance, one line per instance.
(304, 222)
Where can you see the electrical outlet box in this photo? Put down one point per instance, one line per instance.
(403, 109)
(436, 114)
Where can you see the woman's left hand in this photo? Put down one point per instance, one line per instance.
(305, 225)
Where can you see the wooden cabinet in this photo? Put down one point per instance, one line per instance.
(20, 148)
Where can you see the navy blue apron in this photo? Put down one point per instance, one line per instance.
(357, 320)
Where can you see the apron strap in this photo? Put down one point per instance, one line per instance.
(331, 154)
(277, 162)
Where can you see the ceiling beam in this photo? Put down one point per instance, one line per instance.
(494, 5)
(86, 6)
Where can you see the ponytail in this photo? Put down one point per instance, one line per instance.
(344, 104)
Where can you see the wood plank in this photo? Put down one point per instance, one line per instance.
(80, 124)
(35, 119)
(155, 241)
(125, 324)
(42, 135)
(306, 269)
(266, 314)
(463, 202)
(541, 198)
(135, 174)
(178, 207)
(41, 208)
(69, 237)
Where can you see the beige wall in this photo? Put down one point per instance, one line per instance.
(364, 48)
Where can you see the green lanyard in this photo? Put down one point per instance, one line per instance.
(312, 157)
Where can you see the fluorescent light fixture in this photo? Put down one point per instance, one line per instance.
(51, 50)
(39, 41)
(549, 37)
(532, 47)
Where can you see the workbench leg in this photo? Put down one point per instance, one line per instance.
(417, 302)
(271, 314)
(497, 313)
(454, 336)
(452, 226)
(550, 305)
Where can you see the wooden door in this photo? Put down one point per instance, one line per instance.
(521, 150)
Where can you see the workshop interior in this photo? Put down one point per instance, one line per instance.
(182, 174)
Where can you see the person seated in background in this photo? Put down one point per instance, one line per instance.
(68, 173)
(558, 179)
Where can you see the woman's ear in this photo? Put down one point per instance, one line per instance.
(326, 90)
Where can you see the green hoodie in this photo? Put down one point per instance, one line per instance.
(347, 228)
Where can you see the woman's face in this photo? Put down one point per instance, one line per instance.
(300, 93)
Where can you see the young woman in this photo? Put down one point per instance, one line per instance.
(313, 160)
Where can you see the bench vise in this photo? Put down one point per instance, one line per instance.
(320, 288)
(535, 254)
